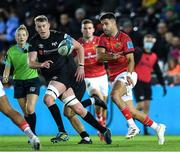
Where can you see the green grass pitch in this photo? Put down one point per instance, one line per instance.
(139, 143)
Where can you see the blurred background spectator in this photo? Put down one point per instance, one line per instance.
(80, 14)
(65, 23)
(136, 37)
(161, 47)
(173, 72)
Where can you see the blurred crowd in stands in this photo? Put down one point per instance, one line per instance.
(135, 17)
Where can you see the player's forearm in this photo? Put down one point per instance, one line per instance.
(76, 60)
(35, 65)
(32, 61)
(80, 52)
(131, 63)
(105, 57)
(81, 56)
(6, 71)
(131, 66)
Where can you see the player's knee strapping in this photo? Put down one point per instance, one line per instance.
(71, 100)
(51, 90)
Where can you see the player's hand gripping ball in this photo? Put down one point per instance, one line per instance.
(65, 47)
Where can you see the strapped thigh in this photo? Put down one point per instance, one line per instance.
(51, 90)
(71, 100)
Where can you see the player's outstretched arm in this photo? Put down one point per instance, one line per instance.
(32, 56)
(80, 51)
(131, 63)
(7, 69)
(6, 74)
(80, 56)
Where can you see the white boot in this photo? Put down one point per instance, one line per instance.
(35, 143)
(132, 131)
(160, 133)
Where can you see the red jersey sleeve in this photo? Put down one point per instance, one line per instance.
(128, 45)
(102, 42)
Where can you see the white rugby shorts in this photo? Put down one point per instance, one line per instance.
(99, 83)
(2, 93)
(122, 77)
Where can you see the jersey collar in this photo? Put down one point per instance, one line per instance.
(88, 40)
(24, 49)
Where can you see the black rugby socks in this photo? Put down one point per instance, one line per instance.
(31, 119)
(57, 117)
(86, 102)
(93, 122)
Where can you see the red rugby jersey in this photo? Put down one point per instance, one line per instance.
(91, 66)
(119, 44)
(145, 66)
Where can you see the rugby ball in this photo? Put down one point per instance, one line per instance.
(65, 47)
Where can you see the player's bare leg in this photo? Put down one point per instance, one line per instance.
(119, 89)
(146, 111)
(104, 111)
(27, 105)
(145, 120)
(22, 103)
(19, 121)
(144, 106)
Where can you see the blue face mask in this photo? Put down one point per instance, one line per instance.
(148, 45)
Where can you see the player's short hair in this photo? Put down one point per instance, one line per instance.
(41, 18)
(86, 21)
(107, 15)
(22, 27)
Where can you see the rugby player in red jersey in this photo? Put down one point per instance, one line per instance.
(116, 47)
(95, 74)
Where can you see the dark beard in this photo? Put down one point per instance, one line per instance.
(107, 33)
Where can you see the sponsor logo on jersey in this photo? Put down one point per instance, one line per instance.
(32, 89)
(40, 46)
(130, 45)
(55, 78)
(117, 45)
(54, 43)
(89, 55)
